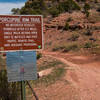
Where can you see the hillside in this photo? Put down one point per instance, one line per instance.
(83, 33)
(68, 25)
(68, 67)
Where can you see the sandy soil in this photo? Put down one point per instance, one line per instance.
(83, 76)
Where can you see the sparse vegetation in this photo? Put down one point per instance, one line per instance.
(86, 8)
(2, 63)
(34, 7)
(66, 27)
(15, 11)
(90, 45)
(73, 26)
(49, 65)
(87, 14)
(74, 37)
(57, 48)
(54, 11)
(94, 18)
(88, 33)
(57, 72)
(69, 47)
(96, 51)
(69, 19)
(96, 1)
(68, 6)
(69, 32)
(39, 55)
(40, 7)
(98, 9)
(8, 91)
(66, 47)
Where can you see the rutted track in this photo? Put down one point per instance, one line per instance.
(85, 77)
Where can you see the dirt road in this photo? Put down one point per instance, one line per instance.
(83, 74)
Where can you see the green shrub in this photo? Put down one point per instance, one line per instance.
(54, 11)
(57, 72)
(59, 47)
(69, 19)
(29, 11)
(98, 9)
(86, 8)
(66, 26)
(60, 7)
(87, 14)
(8, 91)
(70, 5)
(40, 7)
(38, 4)
(90, 45)
(67, 6)
(70, 47)
(51, 78)
(74, 37)
(55, 49)
(39, 55)
(96, 1)
(32, 8)
(48, 65)
(95, 51)
(66, 47)
(88, 33)
(15, 11)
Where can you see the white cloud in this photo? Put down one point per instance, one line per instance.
(5, 8)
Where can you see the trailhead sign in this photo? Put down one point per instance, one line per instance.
(20, 37)
(21, 32)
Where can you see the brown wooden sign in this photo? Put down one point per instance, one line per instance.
(21, 33)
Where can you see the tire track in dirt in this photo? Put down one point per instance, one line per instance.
(84, 77)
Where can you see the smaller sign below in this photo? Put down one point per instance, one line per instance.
(21, 66)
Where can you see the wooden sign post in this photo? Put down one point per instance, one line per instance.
(23, 94)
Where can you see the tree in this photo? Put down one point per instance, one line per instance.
(66, 27)
(33, 7)
(96, 1)
(54, 12)
(40, 7)
(86, 8)
(15, 11)
(69, 5)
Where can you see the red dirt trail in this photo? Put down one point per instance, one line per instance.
(83, 73)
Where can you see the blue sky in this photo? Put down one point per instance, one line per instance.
(12, 0)
(7, 5)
